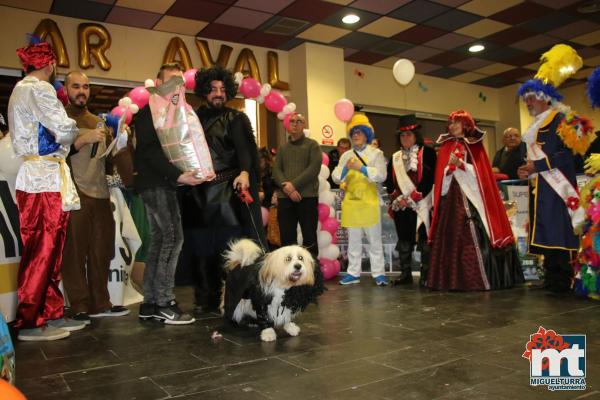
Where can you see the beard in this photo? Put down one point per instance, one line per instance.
(77, 101)
(217, 102)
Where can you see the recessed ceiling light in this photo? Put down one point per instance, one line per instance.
(351, 19)
(476, 48)
(589, 7)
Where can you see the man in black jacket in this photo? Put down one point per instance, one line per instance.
(156, 180)
(511, 156)
(343, 145)
(218, 214)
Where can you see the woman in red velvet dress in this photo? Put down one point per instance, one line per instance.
(472, 245)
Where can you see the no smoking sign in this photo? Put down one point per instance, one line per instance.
(327, 132)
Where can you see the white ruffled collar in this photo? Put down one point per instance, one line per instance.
(410, 157)
(531, 133)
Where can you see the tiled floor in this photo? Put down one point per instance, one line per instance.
(361, 342)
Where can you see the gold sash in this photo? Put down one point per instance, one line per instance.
(68, 194)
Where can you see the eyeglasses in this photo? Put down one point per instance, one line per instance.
(296, 121)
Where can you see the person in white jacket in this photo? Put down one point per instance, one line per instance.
(41, 134)
(358, 173)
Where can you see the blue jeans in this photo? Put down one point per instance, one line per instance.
(164, 219)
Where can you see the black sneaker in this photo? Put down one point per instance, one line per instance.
(82, 317)
(172, 315)
(405, 278)
(114, 311)
(147, 311)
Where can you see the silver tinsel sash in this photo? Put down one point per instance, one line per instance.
(179, 130)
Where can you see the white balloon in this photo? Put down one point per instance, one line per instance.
(324, 186)
(149, 83)
(260, 99)
(264, 91)
(126, 101)
(403, 71)
(286, 109)
(331, 252)
(327, 198)
(318, 226)
(238, 77)
(331, 212)
(134, 108)
(306, 132)
(280, 115)
(291, 106)
(324, 173)
(9, 162)
(122, 102)
(324, 239)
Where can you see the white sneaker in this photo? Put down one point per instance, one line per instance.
(44, 333)
(67, 324)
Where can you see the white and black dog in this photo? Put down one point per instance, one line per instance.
(269, 290)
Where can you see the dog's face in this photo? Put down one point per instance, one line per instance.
(288, 266)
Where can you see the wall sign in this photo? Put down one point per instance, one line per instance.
(327, 132)
(176, 51)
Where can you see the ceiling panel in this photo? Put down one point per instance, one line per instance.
(386, 27)
(380, 6)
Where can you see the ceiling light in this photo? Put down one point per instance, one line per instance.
(589, 7)
(351, 19)
(476, 48)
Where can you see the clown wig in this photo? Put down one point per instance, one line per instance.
(205, 76)
(360, 122)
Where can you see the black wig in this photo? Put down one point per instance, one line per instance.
(419, 141)
(205, 76)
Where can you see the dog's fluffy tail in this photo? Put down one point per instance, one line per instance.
(241, 253)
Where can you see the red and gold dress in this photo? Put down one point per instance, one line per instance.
(472, 245)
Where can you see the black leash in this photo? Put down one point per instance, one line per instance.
(245, 197)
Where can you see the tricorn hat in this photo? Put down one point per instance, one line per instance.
(407, 123)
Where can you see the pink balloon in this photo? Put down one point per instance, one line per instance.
(139, 96)
(190, 78)
(286, 120)
(250, 88)
(337, 265)
(329, 268)
(325, 159)
(344, 110)
(265, 215)
(330, 225)
(118, 111)
(275, 101)
(323, 210)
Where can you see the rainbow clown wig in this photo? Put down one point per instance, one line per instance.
(558, 64)
(360, 122)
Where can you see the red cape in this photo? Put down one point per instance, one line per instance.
(500, 231)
